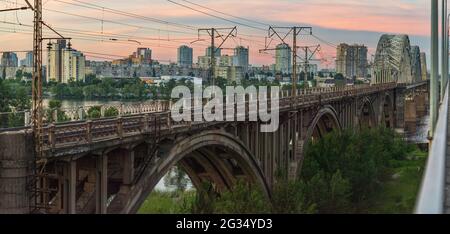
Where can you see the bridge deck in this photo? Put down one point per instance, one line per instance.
(87, 133)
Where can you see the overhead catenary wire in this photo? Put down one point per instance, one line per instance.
(251, 39)
(216, 16)
(123, 13)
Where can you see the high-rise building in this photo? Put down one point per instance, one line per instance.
(9, 59)
(73, 66)
(241, 57)
(54, 60)
(28, 60)
(283, 58)
(64, 63)
(184, 56)
(218, 52)
(144, 55)
(225, 61)
(351, 60)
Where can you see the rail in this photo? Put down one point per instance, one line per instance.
(432, 192)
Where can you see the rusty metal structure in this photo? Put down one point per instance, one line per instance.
(275, 33)
(215, 33)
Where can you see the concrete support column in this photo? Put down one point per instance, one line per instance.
(16, 152)
(400, 109)
(421, 105)
(71, 187)
(410, 115)
(281, 140)
(128, 168)
(101, 184)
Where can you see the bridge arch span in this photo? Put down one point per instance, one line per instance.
(366, 114)
(387, 113)
(325, 121)
(213, 155)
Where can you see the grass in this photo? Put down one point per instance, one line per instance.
(398, 192)
(160, 202)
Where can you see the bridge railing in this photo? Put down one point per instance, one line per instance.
(432, 192)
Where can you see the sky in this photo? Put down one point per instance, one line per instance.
(333, 21)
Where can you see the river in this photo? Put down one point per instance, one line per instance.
(73, 103)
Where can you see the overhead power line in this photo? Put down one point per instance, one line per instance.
(227, 14)
(216, 16)
(124, 13)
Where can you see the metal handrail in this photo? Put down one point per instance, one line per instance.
(432, 192)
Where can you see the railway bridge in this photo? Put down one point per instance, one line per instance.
(111, 165)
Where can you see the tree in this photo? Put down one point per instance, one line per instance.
(27, 75)
(54, 106)
(343, 169)
(176, 178)
(4, 73)
(243, 198)
(91, 79)
(94, 112)
(19, 74)
(111, 112)
(339, 76)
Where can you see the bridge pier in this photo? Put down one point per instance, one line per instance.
(101, 185)
(400, 109)
(410, 115)
(70, 188)
(421, 106)
(16, 155)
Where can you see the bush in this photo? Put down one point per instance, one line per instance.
(354, 163)
(111, 112)
(94, 112)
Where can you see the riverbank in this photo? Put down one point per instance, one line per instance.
(400, 187)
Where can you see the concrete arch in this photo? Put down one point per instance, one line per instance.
(366, 114)
(196, 147)
(325, 121)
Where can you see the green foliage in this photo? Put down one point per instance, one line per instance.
(4, 73)
(177, 178)
(94, 112)
(27, 75)
(54, 106)
(243, 198)
(353, 162)
(111, 112)
(339, 76)
(289, 197)
(204, 200)
(168, 203)
(19, 74)
(14, 97)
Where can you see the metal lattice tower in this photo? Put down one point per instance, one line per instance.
(295, 31)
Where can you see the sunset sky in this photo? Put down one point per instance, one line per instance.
(335, 21)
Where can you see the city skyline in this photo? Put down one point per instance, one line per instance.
(349, 21)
